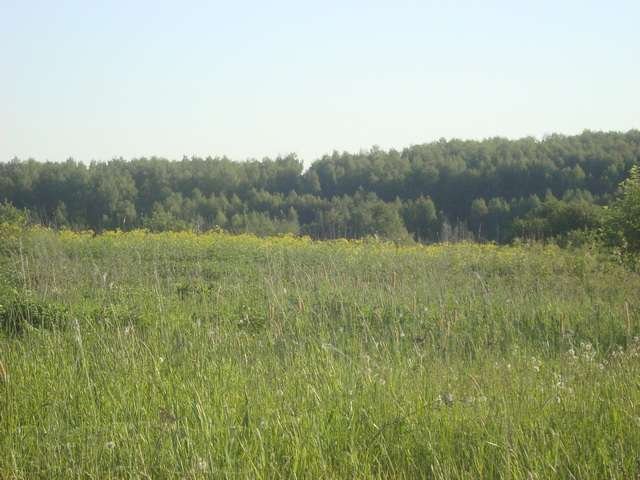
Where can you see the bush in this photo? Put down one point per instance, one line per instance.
(623, 222)
(21, 310)
(12, 223)
(10, 215)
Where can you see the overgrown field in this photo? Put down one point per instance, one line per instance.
(187, 356)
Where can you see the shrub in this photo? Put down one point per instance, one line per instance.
(12, 223)
(21, 310)
(623, 222)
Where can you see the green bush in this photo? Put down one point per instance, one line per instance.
(12, 223)
(21, 310)
(10, 215)
(623, 222)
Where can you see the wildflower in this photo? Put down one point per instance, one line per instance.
(535, 364)
(202, 465)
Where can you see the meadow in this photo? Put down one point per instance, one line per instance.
(176, 355)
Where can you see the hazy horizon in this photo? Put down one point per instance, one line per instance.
(308, 161)
(248, 80)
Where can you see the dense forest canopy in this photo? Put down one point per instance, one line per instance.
(495, 189)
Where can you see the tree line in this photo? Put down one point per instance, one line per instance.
(495, 189)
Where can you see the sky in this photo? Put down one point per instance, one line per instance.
(95, 80)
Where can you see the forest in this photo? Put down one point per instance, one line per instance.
(494, 189)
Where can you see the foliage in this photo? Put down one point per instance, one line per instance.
(10, 215)
(558, 218)
(623, 222)
(12, 224)
(490, 189)
(21, 310)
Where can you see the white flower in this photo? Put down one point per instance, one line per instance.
(535, 364)
(202, 465)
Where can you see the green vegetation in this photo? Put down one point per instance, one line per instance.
(623, 223)
(176, 355)
(165, 353)
(495, 189)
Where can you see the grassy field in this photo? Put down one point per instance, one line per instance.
(137, 355)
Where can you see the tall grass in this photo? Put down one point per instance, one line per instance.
(176, 355)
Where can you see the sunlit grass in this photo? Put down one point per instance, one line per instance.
(183, 355)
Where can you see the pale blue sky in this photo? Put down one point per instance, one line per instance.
(100, 79)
